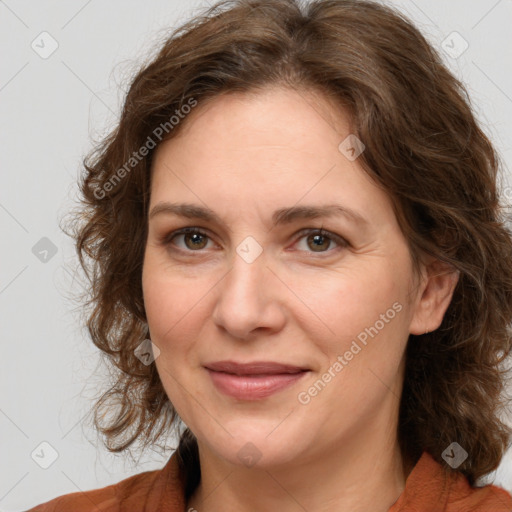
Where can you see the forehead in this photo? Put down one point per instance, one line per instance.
(275, 147)
(274, 115)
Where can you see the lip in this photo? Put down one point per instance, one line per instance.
(255, 380)
(253, 368)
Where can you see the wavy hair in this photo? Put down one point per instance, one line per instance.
(424, 147)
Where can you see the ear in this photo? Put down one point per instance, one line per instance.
(434, 296)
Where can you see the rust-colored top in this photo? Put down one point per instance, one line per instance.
(427, 489)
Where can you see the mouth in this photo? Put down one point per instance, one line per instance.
(255, 380)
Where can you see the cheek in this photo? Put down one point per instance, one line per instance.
(366, 306)
(176, 310)
(172, 308)
(171, 303)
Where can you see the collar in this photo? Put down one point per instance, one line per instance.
(434, 487)
(430, 487)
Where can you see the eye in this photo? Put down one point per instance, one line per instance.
(319, 240)
(312, 239)
(194, 239)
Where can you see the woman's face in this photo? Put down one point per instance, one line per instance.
(259, 284)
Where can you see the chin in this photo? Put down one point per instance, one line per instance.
(259, 448)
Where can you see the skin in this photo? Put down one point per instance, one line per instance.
(244, 156)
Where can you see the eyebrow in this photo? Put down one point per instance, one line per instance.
(279, 217)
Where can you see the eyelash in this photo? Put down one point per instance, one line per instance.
(167, 240)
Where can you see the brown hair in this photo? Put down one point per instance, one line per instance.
(423, 146)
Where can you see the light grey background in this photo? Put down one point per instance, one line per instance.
(50, 108)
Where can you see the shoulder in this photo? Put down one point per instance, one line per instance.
(129, 494)
(433, 487)
(489, 498)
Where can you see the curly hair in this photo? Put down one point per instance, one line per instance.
(424, 147)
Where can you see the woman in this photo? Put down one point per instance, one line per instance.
(297, 253)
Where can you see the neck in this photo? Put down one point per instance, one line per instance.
(362, 474)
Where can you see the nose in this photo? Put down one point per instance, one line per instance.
(250, 300)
